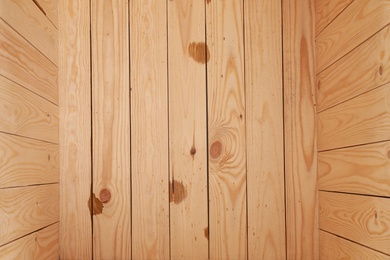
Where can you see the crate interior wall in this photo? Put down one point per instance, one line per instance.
(183, 129)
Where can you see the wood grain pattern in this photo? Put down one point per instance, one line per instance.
(50, 9)
(23, 64)
(300, 128)
(363, 219)
(75, 129)
(226, 130)
(361, 70)
(27, 162)
(24, 210)
(149, 129)
(333, 248)
(364, 119)
(29, 21)
(264, 116)
(362, 169)
(361, 20)
(111, 128)
(187, 130)
(26, 114)
(327, 11)
(39, 245)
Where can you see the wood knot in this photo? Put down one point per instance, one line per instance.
(193, 151)
(105, 195)
(95, 205)
(380, 70)
(216, 149)
(177, 192)
(206, 232)
(199, 52)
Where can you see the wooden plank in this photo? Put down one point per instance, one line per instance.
(226, 130)
(49, 7)
(333, 248)
(75, 129)
(188, 129)
(359, 71)
(327, 11)
(264, 116)
(23, 64)
(149, 129)
(27, 162)
(364, 119)
(360, 21)
(363, 219)
(111, 128)
(363, 170)
(39, 245)
(24, 210)
(26, 18)
(26, 114)
(300, 130)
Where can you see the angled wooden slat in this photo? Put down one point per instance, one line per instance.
(49, 7)
(188, 130)
(327, 11)
(364, 119)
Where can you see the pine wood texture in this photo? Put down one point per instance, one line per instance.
(187, 129)
(327, 11)
(300, 129)
(361, 70)
(25, 114)
(364, 119)
(362, 169)
(363, 219)
(111, 128)
(49, 7)
(361, 20)
(264, 116)
(333, 248)
(149, 129)
(39, 245)
(226, 130)
(26, 18)
(25, 65)
(75, 129)
(24, 210)
(27, 162)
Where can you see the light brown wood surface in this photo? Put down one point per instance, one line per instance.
(39, 245)
(264, 132)
(226, 130)
(327, 11)
(111, 128)
(300, 129)
(27, 162)
(149, 130)
(49, 7)
(25, 114)
(361, 70)
(334, 248)
(364, 119)
(26, 209)
(361, 20)
(26, 18)
(362, 169)
(187, 130)
(75, 129)
(363, 219)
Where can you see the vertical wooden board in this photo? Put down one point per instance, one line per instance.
(111, 128)
(23, 64)
(26, 162)
(361, 120)
(25, 114)
(26, 19)
(300, 130)
(49, 7)
(149, 129)
(264, 117)
(187, 129)
(26, 209)
(361, 169)
(363, 219)
(226, 119)
(75, 129)
(361, 20)
(39, 245)
(327, 11)
(361, 70)
(333, 248)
